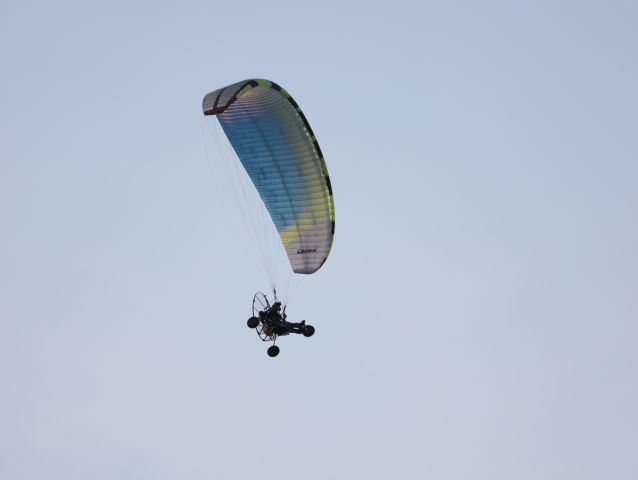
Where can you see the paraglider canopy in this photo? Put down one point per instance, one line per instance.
(280, 153)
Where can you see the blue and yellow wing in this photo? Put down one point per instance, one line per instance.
(278, 149)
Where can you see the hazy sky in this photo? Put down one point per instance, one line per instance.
(478, 315)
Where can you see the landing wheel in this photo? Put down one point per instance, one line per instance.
(273, 351)
(308, 331)
(253, 322)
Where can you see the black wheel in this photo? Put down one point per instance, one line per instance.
(308, 331)
(253, 322)
(273, 351)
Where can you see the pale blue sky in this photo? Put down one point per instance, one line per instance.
(477, 318)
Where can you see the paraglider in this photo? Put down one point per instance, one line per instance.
(280, 153)
(270, 322)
